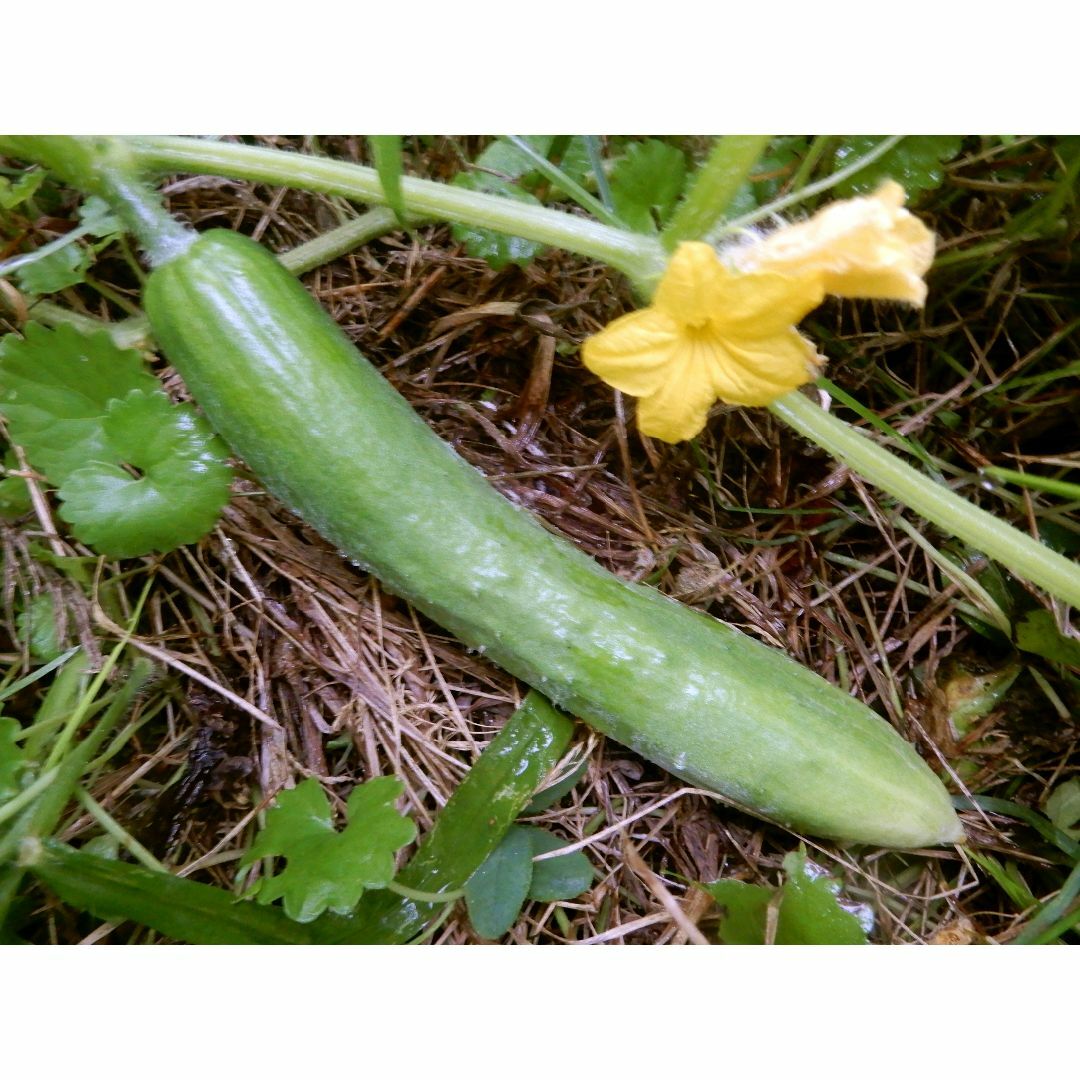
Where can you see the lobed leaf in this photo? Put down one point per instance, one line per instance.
(916, 162)
(326, 869)
(646, 184)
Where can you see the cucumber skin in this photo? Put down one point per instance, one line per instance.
(340, 447)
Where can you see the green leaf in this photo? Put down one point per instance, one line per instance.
(37, 626)
(810, 911)
(386, 150)
(561, 878)
(495, 893)
(916, 162)
(497, 249)
(470, 826)
(58, 270)
(98, 219)
(55, 387)
(1037, 633)
(745, 907)
(182, 485)
(1063, 806)
(807, 909)
(12, 759)
(646, 184)
(13, 194)
(549, 796)
(184, 910)
(326, 869)
(14, 494)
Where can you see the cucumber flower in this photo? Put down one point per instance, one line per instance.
(722, 325)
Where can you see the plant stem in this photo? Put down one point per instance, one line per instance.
(811, 190)
(639, 257)
(1026, 557)
(713, 187)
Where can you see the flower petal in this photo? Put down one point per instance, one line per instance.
(678, 408)
(761, 304)
(866, 247)
(633, 353)
(692, 284)
(758, 372)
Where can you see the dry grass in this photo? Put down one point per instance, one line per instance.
(751, 525)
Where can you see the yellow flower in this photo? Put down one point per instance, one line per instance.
(869, 247)
(722, 327)
(710, 333)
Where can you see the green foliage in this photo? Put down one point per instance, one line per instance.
(386, 150)
(59, 269)
(135, 473)
(12, 759)
(23, 189)
(561, 878)
(176, 499)
(495, 894)
(1063, 807)
(806, 909)
(916, 162)
(646, 183)
(98, 219)
(37, 627)
(14, 494)
(1037, 633)
(327, 870)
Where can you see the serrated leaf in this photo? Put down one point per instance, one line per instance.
(1063, 806)
(182, 486)
(12, 759)
(646, 184)
(58, 270)
(497, 249)
(326, 869)
(98, 218)
(1037, 633)
(495, 893)
(55, 386)
(14, 194)
(916, 162)
(561, 878)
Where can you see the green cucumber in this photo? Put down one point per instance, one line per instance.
(329, 437)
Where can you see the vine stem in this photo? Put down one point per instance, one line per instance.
(714, 186)
(641, 258)
(1022, 554)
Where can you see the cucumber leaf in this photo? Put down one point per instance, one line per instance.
(646, 184)
(176, 499)
(497, 249)
(136, 474)
(326, 869)
(916, 162)
(55, 386)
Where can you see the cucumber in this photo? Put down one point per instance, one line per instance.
(333, 441)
